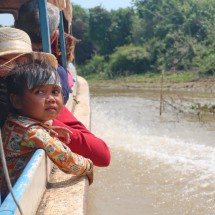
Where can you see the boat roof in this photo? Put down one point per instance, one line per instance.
(12, 6)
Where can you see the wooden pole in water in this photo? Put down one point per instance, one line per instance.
(161, 94)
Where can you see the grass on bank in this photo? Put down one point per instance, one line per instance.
(179, 80)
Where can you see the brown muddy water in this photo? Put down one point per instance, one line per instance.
(160, 164)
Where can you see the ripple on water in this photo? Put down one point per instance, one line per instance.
(156, 168)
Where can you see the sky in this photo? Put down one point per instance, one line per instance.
(8, 20)
(107, 4)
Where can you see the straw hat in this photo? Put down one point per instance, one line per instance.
(17, 43)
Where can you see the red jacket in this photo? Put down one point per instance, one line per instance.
(83, 142)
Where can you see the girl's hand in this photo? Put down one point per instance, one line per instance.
(61, 132)
(90, 177)
(49, 122)
(90, 172)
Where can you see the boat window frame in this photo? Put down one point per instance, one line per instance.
(44, 24)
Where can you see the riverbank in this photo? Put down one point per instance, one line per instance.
(156, 82)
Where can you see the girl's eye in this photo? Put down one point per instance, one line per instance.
(39, 92)
(56, 92)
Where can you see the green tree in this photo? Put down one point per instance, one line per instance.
(120, 31)
(96, 66)
(99, 24)
(80, 29)
(172, 35)
(176, 26)
(109, 30)
(127, 60)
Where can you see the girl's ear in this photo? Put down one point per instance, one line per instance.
(15, 101)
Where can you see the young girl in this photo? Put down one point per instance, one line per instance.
(35, 97)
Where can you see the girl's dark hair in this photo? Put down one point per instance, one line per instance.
(30, 74)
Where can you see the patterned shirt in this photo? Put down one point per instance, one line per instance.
(21, 136)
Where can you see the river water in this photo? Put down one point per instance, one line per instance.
(160, 164)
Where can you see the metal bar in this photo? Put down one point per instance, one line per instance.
(44, 23)
(62, 42)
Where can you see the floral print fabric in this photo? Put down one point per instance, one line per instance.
(22, 136)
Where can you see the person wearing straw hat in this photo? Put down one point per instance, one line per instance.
(14, 44)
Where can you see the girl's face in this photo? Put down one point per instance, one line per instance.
(42, 103)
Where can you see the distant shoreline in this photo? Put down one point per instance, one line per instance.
(200, 85)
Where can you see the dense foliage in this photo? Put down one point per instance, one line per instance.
(149, 37)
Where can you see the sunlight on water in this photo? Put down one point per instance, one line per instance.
(150, 173)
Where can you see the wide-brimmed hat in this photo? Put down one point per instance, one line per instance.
(17, 43)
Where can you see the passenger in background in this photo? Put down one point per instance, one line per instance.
(70, 43)
(28, 16)
(83, 142)
(3, 95)
(35, 97)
